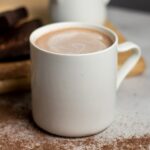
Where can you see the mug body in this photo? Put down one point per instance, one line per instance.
(73, 94)
(87, 11)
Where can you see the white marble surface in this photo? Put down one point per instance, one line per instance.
(134, 94)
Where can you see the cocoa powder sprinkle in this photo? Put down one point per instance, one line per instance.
(129, 131)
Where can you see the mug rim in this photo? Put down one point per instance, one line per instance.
(62, 25)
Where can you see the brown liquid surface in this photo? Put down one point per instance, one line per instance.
(74, 41)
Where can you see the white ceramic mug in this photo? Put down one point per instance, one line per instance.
(87, 11)
(75, 94)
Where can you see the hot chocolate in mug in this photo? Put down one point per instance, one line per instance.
(75, 94)
(87, 11)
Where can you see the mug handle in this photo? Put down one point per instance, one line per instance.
(130, 62)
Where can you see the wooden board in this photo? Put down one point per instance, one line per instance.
(14, 85)
(15, 70)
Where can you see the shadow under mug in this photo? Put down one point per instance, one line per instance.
(74, 95)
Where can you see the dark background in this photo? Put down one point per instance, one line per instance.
(143, 5)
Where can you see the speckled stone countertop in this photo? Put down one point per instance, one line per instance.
(131, 127)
